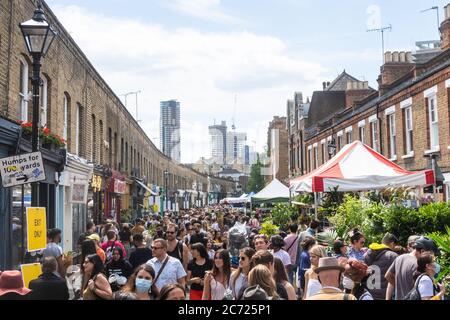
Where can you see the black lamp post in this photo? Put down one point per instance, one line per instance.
(38, 35)
(331, 147)
(166, 178)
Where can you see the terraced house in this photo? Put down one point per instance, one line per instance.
(407, 119)
(109, 164)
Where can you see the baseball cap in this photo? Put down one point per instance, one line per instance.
(94, 237)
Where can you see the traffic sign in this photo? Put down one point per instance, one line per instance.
(36, 229)
(22, 169)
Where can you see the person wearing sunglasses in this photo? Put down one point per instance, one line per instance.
(176, 248)
(168, 269)
(239, 278)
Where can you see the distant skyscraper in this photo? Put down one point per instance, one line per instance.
(218, 142)
(170, 129)
(236, 142)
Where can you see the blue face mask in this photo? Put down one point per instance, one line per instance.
(437, 269)
(143, 285)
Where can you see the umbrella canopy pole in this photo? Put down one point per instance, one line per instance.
(315, 205)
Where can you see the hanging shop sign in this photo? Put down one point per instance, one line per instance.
(79, 186)
(120, 187)
(36, 229)
(22, 169)
(96, 183)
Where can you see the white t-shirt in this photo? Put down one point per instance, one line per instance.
(283, 256)
(425, 287)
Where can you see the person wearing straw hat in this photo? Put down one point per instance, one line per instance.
(330, 273)
(12, 286)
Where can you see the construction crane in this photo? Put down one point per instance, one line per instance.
(437, 15)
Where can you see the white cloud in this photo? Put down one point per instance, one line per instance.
(209, 10)
(202, 70)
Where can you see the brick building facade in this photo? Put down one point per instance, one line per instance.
(407, 119)
(77, 104)
(277, 142)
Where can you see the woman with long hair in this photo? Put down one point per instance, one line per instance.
(239, 278)
(119, 267)
(141, 283)
(260, 275)
(87, 248)
(197, 269)
(216, 281)
(357, 249)
(312, 284)
(281, 277)
(95, 284)
(427, 268)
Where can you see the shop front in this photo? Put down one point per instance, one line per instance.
(115, 189)
(73, 213)
(14, 200)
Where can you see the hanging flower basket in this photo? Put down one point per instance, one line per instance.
(48, 139)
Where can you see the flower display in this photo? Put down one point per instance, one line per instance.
(45, 135)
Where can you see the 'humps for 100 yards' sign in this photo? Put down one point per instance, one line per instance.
(22, 169)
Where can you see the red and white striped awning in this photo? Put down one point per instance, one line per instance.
(357, 167)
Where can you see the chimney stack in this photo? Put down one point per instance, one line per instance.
(445, 29)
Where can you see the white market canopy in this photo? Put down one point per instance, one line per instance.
(358, 167)
(242, 199)
(273, 192)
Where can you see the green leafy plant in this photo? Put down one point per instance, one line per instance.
(268, 228)
(327, 237)
(358, 213)
(283, 214)
(443, 242)
(306, 198)
(330, 202)
(125, 215)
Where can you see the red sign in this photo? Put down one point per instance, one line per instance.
(120, 186)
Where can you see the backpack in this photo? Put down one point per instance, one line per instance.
(414, 294)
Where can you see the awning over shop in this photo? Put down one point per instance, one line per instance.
(146, 188)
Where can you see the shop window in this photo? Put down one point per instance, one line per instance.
(19, 223)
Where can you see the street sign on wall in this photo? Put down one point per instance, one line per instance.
(22, 169)
(36, 229)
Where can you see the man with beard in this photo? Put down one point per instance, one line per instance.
(176, 248)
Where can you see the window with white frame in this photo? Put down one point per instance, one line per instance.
(339, 143)
(77, 129)
(310, 159)
(324, 151)
(433, 122)
(408, 130)
(44, 102)
(349, 137)
(23, 89)
(361, 133)
(374, 136)
(392, 136)
(316, 157)
(65, 116)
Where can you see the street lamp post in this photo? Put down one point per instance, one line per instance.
(38, 36)
(166, 178)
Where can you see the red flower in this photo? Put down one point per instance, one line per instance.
(46, 131)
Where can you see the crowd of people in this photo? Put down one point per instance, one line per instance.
(219, 253)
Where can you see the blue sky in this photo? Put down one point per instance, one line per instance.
(204, 52)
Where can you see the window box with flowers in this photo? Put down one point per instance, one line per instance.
(48, 139)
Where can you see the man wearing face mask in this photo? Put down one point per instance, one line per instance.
(330, 273)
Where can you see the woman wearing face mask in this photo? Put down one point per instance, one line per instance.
(141, 283)
(427, 269)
